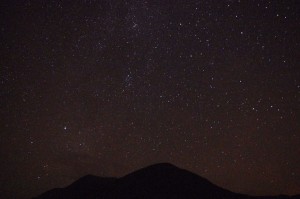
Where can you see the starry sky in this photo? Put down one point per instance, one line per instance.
(107, 87)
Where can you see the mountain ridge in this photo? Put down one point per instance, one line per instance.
(162, 180)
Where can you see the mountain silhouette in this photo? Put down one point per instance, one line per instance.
(88, 186)
(157, 181)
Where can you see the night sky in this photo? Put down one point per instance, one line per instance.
(107, 87)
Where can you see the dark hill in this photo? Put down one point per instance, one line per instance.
(88, 186)
(157, 181)
(167, 181)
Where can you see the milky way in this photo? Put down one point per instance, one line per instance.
(107, 87)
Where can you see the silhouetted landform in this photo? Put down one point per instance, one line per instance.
(160, 181)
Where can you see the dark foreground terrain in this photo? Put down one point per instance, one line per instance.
(156, 182)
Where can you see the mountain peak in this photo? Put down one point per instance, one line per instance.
(156, 170)
(162, 165)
